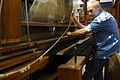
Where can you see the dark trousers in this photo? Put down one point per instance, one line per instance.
(94, 69)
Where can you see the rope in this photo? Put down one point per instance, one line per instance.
(27, 20)
(22, 70)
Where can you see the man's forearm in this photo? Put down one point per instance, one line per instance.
(80, 32)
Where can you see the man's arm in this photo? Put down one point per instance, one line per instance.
(82, 31)
(75, 21)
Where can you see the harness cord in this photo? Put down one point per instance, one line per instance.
(22, 70)
(27, 20)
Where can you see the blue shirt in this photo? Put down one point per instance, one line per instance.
(105, 34)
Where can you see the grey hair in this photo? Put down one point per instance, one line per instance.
(93, 3)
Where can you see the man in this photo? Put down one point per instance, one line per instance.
(106, 39)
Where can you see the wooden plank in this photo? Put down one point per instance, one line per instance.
(53, 76)
(70, 70)
(66, 49)
(11, 21)
(14, 47)
(19, 59)
(10, 40)
(42, 44)
(51, 41)
(23, 23)
(37, 66)
(71, 46)
(16, 54)
(0, 30)
(80, 61)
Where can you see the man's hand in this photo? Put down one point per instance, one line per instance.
(74, 20)
(69, 33)
(78, 24)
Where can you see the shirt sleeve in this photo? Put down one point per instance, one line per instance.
(95, 26)
(88, 28)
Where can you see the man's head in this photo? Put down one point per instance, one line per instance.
(93, 7)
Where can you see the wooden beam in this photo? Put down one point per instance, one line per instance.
(19, 59)
(40, 44)
(53, 76)
(1, 30)
(37, 66)
(14, 47)
(71, 46)
(66, 49)
(17, 54)
(51, 41)
(23, 23)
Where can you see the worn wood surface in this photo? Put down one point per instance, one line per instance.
(18, 53)
(39, 44)
(37, 66)
(72, 46)
(23, 23)
(11, 21)
(64, 50)
(0, 30)
(70, 70)
(19, 59)
(1, 4)
(12, 56)
(14, 47)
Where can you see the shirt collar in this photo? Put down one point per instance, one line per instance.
(100, 12)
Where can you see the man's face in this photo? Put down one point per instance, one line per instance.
(92, 11)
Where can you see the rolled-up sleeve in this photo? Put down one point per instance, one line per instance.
(95, 26)
(88, 28)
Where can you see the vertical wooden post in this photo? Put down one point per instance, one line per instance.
(85, 12)
(69, 73)
(0, 30)
(1, 7)
(70, 70)
(11, 21)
